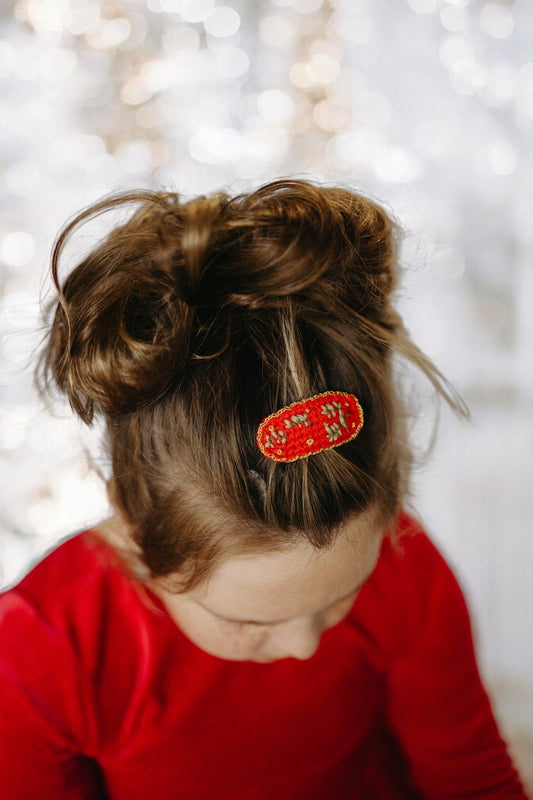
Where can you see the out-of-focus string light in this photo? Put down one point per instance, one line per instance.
(302, 6)
(356, 149)
(167, 6)
(423, 6)
(306, 6)
(228, 62)
(501, 85)
(17, 248)
(57, 64)
(135, 91)
(43, 15)
(159, 74)
(215, 112)
(456, 52)
(212, 145)
(109, 33)
(352, 25)
(180, 38)
(466, 74)
(454, 19)
(222, 21)
(197, 10)
(79, 20)
(468, 77)
(396, 165)
(457, 3)
(303, 115)
(300, 75)
(496, 20)
(277, 31)
(260, 147)
(321, 68)
(22, 177)
(497, 159)
(135, 157)
(322, 46)
(276, 107)
(330, 116)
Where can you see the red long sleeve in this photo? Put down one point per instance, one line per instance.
(438, 707)
(99, 688)
(42, 719)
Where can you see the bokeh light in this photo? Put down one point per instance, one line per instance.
(17, 248)
(222, 21)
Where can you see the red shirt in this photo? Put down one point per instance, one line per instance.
(102, 696)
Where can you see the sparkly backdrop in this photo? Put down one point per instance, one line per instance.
(427, 104)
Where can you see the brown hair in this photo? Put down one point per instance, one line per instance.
(192, 321)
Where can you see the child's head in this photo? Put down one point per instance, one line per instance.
(192, 322)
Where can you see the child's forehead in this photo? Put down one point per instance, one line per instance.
(293, 580)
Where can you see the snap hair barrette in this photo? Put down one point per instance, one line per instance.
(310, 426)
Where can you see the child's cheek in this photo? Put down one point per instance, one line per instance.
(338, 612)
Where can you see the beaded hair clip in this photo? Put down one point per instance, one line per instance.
(309, 426)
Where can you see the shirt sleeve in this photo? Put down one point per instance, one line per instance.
(43, 726)
(437, 705)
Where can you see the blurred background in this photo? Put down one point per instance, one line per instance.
(425, 104)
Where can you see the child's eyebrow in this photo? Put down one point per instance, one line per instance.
(275, 621)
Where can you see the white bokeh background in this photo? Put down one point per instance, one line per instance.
(426, 104)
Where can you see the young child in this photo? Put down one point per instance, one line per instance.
(259, 619)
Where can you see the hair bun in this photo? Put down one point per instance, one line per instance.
(290, 239)
(121, 327)
(116, 355)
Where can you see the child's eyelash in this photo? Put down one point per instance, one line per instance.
(234, 622)
(249, 624)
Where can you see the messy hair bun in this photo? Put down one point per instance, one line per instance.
(193, 320)
(129, 314)
(124, 320)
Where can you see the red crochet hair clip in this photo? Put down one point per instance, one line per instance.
(309, 426)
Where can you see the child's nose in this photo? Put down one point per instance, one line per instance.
(299, 638)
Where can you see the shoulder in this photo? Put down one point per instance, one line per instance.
(39, 646)
(411, 591)
(64, 601)
(79, 637)
(410, 556)
(75, 566)
(66, 629)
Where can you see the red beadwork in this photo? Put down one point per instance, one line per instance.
(309, 426)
